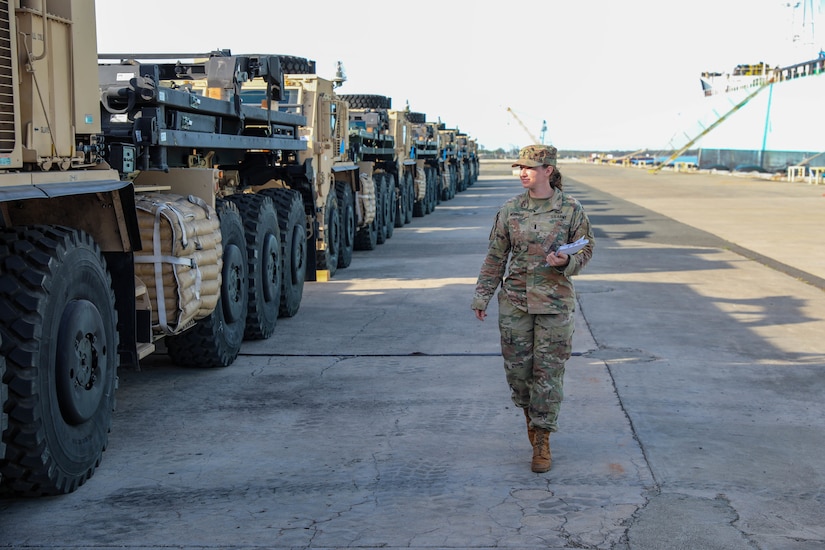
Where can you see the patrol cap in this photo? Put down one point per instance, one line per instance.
(536, 155)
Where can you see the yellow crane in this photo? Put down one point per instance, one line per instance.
(526, 129)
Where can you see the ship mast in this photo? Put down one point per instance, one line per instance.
(803, 30)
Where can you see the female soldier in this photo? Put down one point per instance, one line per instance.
(537, 303)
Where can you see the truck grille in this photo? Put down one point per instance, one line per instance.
(7, 137)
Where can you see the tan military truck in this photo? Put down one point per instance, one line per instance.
(372, 142)
(343, 191)
(405, 165)
(467, 157)
(415, 166)
(426, 149)
(449, 165)
(344, 188)
(126, 222)
(146, 205)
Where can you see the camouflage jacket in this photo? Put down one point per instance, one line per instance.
(524, 232)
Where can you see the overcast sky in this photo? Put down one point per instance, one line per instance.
(603, 74)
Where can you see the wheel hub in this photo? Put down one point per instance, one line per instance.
(233, 284)
(80, 361)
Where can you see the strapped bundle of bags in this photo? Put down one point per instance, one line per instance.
(181, 260)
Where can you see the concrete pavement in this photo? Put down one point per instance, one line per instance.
(379, 417)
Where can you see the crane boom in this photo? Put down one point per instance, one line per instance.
(526, 129)
(719, 121)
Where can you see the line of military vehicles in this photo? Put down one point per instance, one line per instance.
(173, 204)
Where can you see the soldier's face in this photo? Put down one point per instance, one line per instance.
(535, 178)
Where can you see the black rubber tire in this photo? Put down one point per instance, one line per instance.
(417, 118)
(458, 180)
(4, 398)
(367, 101)
(367, 237)
(347, 208)
(292, 220)
(382, 207)
(453, 181)
(328, 259)
(449, 192)
(434, 189)
(419, 207)
(409, 185)
(391, 210)
(263, 252)
(291, 64)
(60, 342)
(401, 202)
(215, 341)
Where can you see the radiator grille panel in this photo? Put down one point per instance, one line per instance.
(7, 136)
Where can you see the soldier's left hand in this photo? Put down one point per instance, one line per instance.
(557, 259)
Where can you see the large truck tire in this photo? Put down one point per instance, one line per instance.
(434, 188)
(263, 253)
(382, 207)
(292, 220)
(328, 259)
(424, 206)
(419, 208)
(216, 340)
(409, 185)
(4, 418)
(401, 201)
(391, 208)
(417, 118)
(60, 342)
(347, 207)
(367, 101)
(291, 64)
(453, 181)
(448, 193)
(461, 178)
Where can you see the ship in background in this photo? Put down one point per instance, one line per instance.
(767, 118)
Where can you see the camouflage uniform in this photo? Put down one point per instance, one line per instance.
(537, 302)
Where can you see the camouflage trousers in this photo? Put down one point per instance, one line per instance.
(535, 349)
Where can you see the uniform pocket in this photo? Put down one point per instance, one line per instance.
(557, 328)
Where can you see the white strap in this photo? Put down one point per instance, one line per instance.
(158, 258)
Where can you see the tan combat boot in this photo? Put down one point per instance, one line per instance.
(531, 431)
(542, 458)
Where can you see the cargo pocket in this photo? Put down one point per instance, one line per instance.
(558, 328)
(506, 336)
(557, 336)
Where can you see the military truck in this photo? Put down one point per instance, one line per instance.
(426, 148)
(405, 165)
(341, 190)
(128, 221)
(467, 160)
(449, 162)
(372, 142)
(346, 191)
(152, 202)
